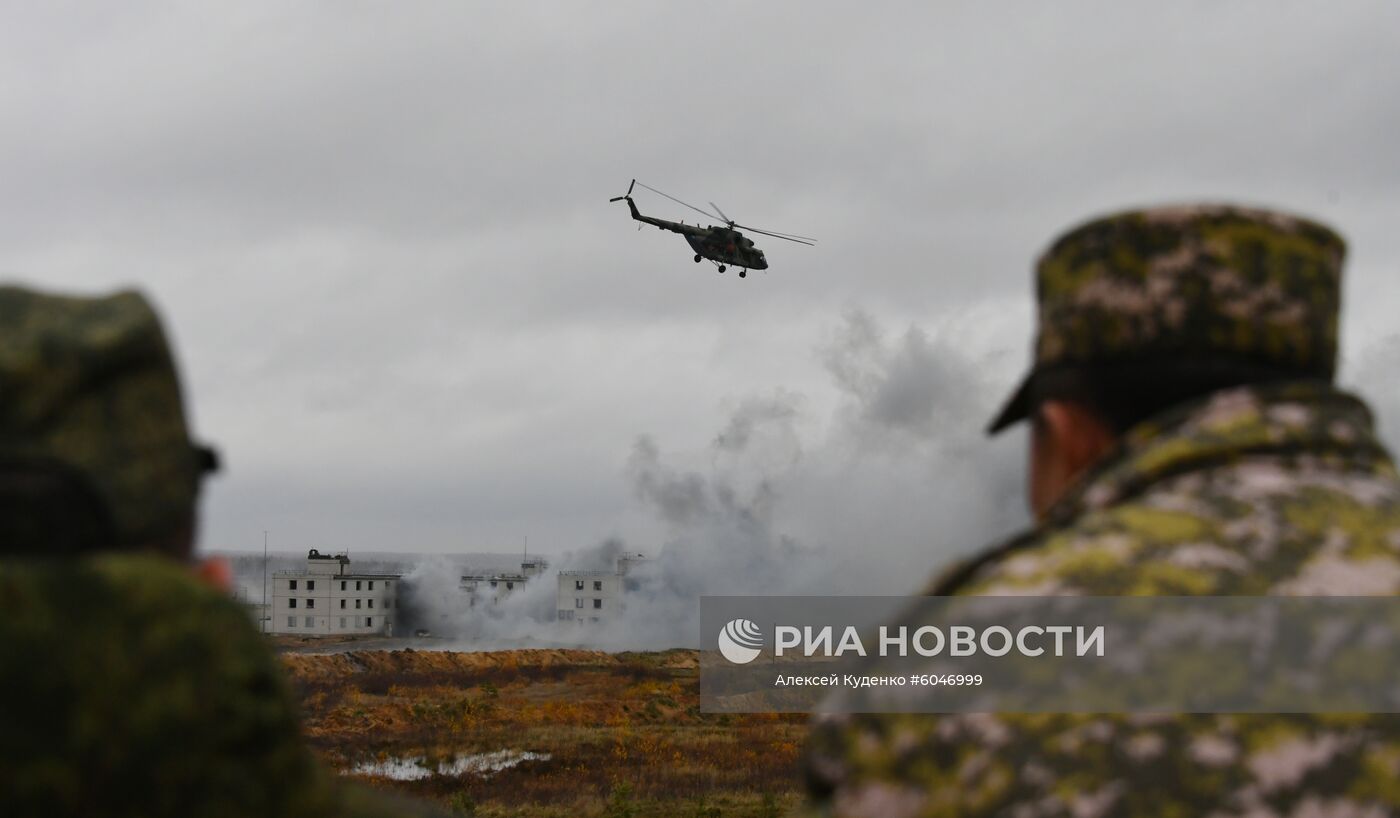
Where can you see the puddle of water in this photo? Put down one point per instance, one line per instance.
(414, 768)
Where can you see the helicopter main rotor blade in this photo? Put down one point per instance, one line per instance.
(679, 202)
(722, 214)
(810, 242)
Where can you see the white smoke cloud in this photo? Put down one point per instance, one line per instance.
(892, 483)
(895, 482)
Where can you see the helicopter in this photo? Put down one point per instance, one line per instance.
(723, 246)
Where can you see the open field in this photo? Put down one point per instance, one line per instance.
(547, 732)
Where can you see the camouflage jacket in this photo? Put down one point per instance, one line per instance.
(1276, 490)
(132, 689)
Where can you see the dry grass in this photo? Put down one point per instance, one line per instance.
(624, 732)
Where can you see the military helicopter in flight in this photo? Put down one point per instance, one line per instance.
(723, 246)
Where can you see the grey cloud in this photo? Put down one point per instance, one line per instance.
(408, 314)
(753, 412)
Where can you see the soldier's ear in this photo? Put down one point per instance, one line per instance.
(1079, 436)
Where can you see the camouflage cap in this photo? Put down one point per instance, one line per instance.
(1204, 283)
(89, 386)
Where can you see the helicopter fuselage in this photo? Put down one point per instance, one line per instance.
(728, 246)
(722, 245)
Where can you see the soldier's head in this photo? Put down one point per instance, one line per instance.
(1143, 310)
(95, 454)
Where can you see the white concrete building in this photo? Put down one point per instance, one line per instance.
(594, 596)
(328, 599)
(493, 587)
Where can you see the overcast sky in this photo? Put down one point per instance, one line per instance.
(407, 314)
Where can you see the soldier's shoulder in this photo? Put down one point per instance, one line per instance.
(1132, 548)
(148, 689)
(1106, 764)
(149, 601)
(1274, 531)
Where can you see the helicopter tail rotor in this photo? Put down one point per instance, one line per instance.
(626, 195)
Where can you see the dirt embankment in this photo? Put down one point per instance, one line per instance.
(329, 667)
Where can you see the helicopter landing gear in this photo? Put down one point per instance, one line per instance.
(743, 273)
(697, 258)
(721, 268)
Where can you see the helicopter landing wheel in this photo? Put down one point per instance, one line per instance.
(697, 258)
(721, 268)
(743, 273)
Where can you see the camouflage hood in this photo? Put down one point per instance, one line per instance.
(1291, 419)
(90, 388)
(1300, 437)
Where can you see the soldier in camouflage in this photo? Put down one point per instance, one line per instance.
(131, 687)
(1186, 440)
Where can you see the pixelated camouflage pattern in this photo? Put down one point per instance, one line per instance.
(91, 383)
(1204, 282)
(132, 689)
(1279, 490)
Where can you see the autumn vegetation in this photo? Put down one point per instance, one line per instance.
(623, 733)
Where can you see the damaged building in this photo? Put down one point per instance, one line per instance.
(598, 596)
(327, 598)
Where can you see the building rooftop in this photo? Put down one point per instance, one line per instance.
(603, 573)
(302, 572)
(499, 577)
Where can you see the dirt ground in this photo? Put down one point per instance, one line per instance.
(547, 732)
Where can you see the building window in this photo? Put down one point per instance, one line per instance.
(311, 585)
(388, 603)
(371, 603)
(342, 603)
(387, 584)
(357, 603)
(510, 586)
(342, 585)
(369, 622)
(597, 585)
(578, 585)
(310, 603)
(578, 602)
(357, 585)
(310, 623)
(493, 583)
(342, 622)
(291, 621)
(293, 585)
(371, 585)
(292, 603)
(597, 603)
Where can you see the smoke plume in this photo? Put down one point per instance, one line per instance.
(896, 481)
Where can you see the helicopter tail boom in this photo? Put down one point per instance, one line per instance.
(636, 214)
